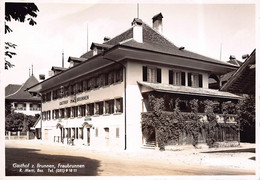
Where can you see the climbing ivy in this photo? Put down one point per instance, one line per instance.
(169, 126)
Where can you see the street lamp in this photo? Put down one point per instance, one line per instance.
(122, 65)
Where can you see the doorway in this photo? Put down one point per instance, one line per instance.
(107, 136)
(88, 136)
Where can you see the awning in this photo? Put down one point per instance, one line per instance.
(184, 90)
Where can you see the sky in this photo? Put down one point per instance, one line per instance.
(71, 27)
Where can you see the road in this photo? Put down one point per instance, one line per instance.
(35, 158)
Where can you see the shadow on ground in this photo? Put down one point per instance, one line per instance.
(23, 155)
(250, 150)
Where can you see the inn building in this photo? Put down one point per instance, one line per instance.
(99, 99)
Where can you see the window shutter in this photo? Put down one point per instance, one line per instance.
(144, 73)
(170, 77)
(189, 79)
(183, 78)
(159, 77)
(200, 80)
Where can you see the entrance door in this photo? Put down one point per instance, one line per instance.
(88, 136)
(107, 136)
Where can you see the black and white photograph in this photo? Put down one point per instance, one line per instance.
(150, 90)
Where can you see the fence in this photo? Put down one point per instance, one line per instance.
(18, 135)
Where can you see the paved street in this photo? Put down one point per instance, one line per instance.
(36, 158)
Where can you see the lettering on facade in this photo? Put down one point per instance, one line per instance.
(82, 98)
(64, 102)
(74, 100)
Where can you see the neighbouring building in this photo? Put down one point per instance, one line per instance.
(100, 99)
(22, 101)
(19, 100)
(242, 82)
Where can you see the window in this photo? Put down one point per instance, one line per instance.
(53, 114)
(98, 82)
(73, 89)
(117, 132)
(74, 111)
(91, 83)
(194, 80)
(66, 91)
(119, 75)
(119, 105)
(43, 98)
(55, 94)
(106, 78)
(39, 107)
(61, 113)
(152, 74)
(43, 115)
(68, 112)
(110, 77)
(80, 87)
(82, 110)
(48, 96)
(109, 107)
(34, 107)
(90, 109)
(48, 115)
(99, 108)
(85, 85)
(56, 114)
(176, 78)
(81, 133)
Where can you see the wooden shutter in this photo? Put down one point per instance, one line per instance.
(159, 75)
(183, 78)
(189, 79)
(200, 80)
(170, 77)
(144, 73)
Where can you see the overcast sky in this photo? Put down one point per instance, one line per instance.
(199, 28)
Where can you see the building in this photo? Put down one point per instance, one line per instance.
(22, 101)
(99, 100)
(242, 82)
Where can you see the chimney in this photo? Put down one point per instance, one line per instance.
(245, 56)
(157, 23)
(232, 57)
(137, 30)
(41, 76)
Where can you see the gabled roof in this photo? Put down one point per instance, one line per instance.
(124, 46)
(21, 94)
(243, 79)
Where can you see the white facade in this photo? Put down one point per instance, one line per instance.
(106, 130)
(28, 108)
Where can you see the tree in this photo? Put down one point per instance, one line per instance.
(19, 122)
(20, 12)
